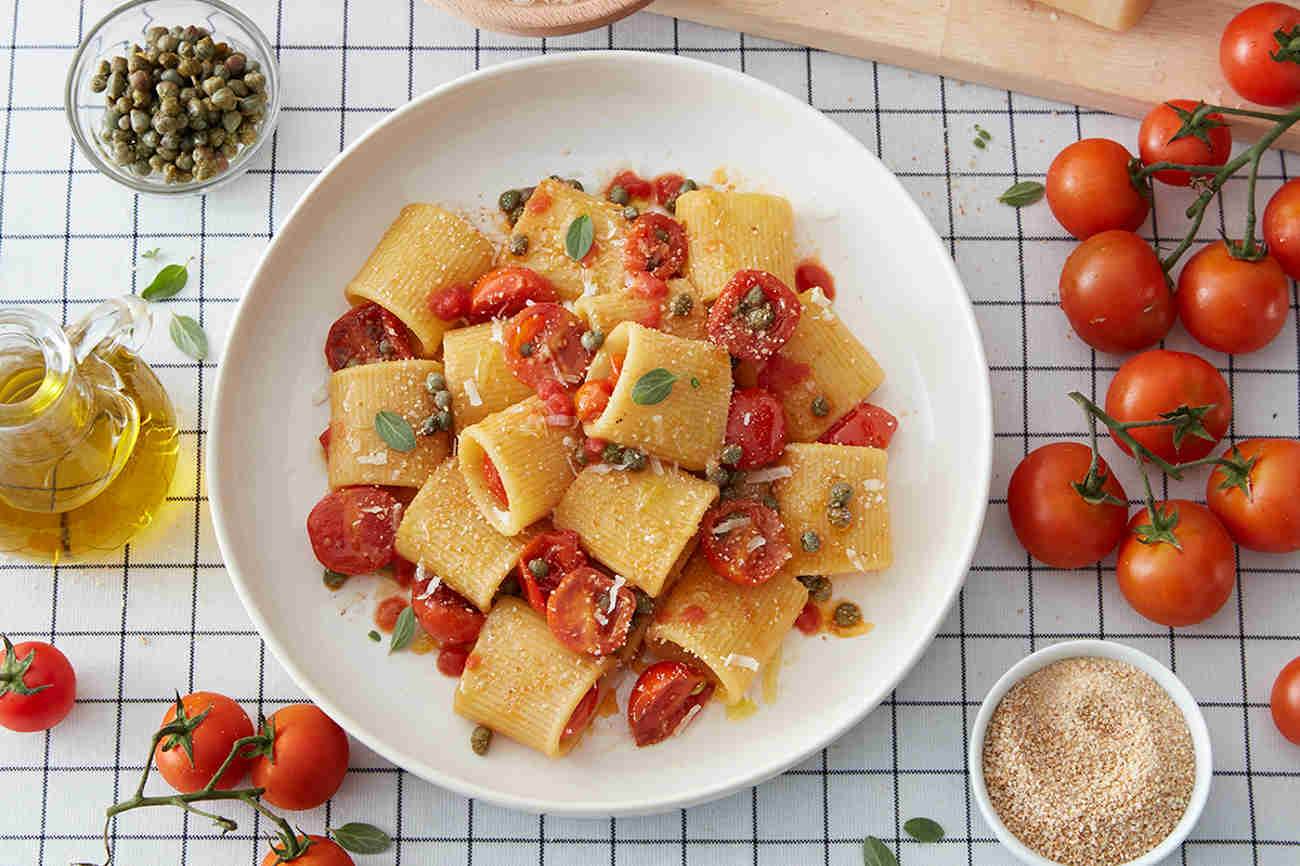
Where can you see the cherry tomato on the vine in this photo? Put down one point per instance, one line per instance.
(1052, 519)
(664, 696)
(37, 686)
(322, 852)
(1115, 294)
(1156, 142)
(1090, 189)
(1260, 506)
(1281, 227)
(1176, 585)
(188, 761)
(1160, 381)
(1284, 702)
(1245, 49)
(306, 761)
(1232, 305)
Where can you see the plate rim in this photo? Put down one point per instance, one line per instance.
(647, 805)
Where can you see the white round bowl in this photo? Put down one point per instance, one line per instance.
(1098, 649)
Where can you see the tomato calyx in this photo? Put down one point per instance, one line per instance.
(1140, 177)
(14, 671)
(1188, 421)
(293, 846)
(179, 732)
(1091, 488)
(1248, 249)
(1236, 471)
(1161, 528)
(262, 745)
(1196, 123)
(1288, 46)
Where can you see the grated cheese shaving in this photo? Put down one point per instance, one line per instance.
(561, 421)
(755, 543)
(619, 580)
(471, 391)
(687, 719)
(374, 458)
(588, 286)
(735, 660)
(772, 473)
(873, 485)
(434, 583)
(727, 525)
(657, 466)
(601, 468)
(498, 332)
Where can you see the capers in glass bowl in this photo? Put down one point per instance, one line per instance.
(173, 97)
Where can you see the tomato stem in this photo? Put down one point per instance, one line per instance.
(1121, 432)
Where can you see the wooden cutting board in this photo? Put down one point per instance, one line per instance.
(1019, 45)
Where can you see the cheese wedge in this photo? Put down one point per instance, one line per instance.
(1111, 14)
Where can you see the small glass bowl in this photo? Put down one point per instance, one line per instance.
(127, 24)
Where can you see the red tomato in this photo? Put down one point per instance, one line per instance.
(1245, 49)
(495, 486)
(1285, 701)
(365, 334)
(668, 187)
(780, 375)
(665, 696)
(1265, 515)
(352, 529)
(37, 686)
(504, 291)
(864, 424)
(756, 422)
(657, 245)
(210, 743)
(445, 615)
(809, 273)
(635, 185)
(543, 341)
(403, 570)
(306, 761)
(321, 852)
(561, 551)
(1177, 587)
(450, 303)
(557, 399)
(324, 439)
(592, 398)
(1090, 190)
(582, 714)
(1156, 142)
(1115, 293)
(648, 286)
(734, 319)
(387, 612)
(587, 615)
(1231, 305)
(451, 660)
(1160, 381)
(1052, 519)
(594, 448)
(809, 620)
(1282, 227)
(729, 534)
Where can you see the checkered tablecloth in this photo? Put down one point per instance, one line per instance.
(164, 616)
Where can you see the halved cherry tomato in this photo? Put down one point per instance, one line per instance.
(667, 187)
(809, 273)
(495, 486)
(1052, 520)
(561, 551)
(809, 620)
(1245, 49)
(1090, 190)
(1181, 585)
(1156, 142)
(656, 245)
(543, 342)
(307, 759)
(321, 852)
(1115, 294)
(37, 686)
(446, 615)
(586, 615)
(780, 375)
(366, 334)
(556, 397)
(730, 534)
(592, 398)
(739, 325)
(451, 660)
(864, 424)
(324, 439)
(1282, 227)
(188, 770)
(582, 714)
(664, 696)
(403, 570)
(502, 292)
(352, 529)
(756, 422)
(1161, 381)
(645, 285)
(1261, 507)
(1232, 305)
(636, 186)
(1284, 701)
(594, 448)
(450, 303)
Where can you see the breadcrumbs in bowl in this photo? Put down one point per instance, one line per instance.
(1090, 753)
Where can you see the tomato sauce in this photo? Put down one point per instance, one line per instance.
(388, 611)
(452, 660)
(809, 620)
(809, 273)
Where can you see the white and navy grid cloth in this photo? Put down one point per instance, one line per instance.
(138, 627)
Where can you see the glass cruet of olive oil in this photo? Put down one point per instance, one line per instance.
(87, 433)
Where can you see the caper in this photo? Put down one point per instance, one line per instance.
(442, 399)
(204, 48)
(841, 493)
(239, 88)
(618, 194)
(687, 186)
(435, 382)
(717, 473)
(730, 454)
(518, 245)
(445, 420)
(526, 350)
(681, 305)
(116, 85)
(252, 104)
(481, 740)
(612, 454)
(575, 183)
(539, 567)
(231, 120)
(760, 318)
(820, 407)
(256, 81)
(819, 587)
(839, 516)
(118, 64)
(592, 340)
(509, 200)
(634, 458)
(630, 212)
(810, 541)
(645, 605)
(770, 501)
(139, 120)
(847, 614)
(141, 167)
(224, 99)
(235, 63)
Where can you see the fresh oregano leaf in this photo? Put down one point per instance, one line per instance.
(404, 631)
(168, 283)
(188, 336)
(924, 830)
(874, 853)
(654, 387)
(362, 838)
(1022, 194)
(395, 431)
(577, 241)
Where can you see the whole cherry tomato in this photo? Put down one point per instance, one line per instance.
(1161, 381)
(1115, 293)
(1090, 189)
(1285, 701)
(1281, 226)
(1052, 519)
(1179, 568)
(322, 852)
(1156, 142)
(1259, 503)
(1245, 52)
(37, 686)
(189, 760)
(665, 697)
(306, 760)
(1232, 305)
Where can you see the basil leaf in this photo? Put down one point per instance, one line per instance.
(188, 336)
(924, 830)
(874, 853)
(395, 431)
(362, 838)
(404, 631)
(1022, 194)
(334, 579)
(169, 282)
(577, 241)
(653, 387)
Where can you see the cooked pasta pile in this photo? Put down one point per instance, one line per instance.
(636, 437)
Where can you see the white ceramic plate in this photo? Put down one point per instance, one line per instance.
(585, 116)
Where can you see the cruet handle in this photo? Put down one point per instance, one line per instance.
(123, 322)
